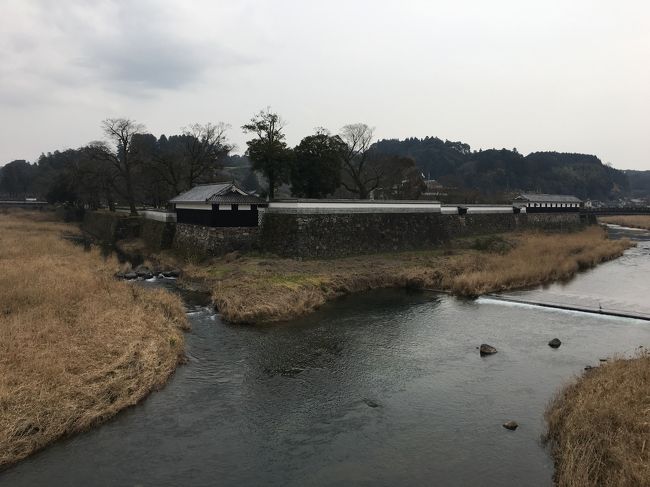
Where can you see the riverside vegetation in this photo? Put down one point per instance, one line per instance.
(258, 289)
(599, 426)
(632, 221)
(76, 345)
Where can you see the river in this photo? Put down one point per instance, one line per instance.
(384, 388)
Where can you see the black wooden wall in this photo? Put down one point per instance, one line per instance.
(219, 218)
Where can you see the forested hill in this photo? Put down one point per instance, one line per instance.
(501, 170)
(639, 183)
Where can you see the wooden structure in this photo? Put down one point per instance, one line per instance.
(548, 203)
(217, 205)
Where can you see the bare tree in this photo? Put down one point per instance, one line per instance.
(120, 132)
(206, 145)
(104, 170)
(362, 176)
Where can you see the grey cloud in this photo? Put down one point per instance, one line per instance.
(144, 52)
(145, 64)
(129, 48)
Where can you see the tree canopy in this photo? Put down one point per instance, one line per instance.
(501, 170)
(316, 171)
(267, 149)
(134, 167)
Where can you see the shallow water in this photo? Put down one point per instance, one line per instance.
(385, 388)
(620, 285)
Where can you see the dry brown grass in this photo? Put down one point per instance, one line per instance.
(632, 221)
(535, 260)
(76, 346)
(259, 290)
(599, 426)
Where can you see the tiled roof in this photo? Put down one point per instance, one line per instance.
(548, 198)
(200, 193)
(237, 199)
(226, 193)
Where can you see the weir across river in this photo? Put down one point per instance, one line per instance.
(615, 288)
(581, 304)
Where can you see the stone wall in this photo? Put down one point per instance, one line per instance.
(554, 221)
(314, 235)
(112, 227)
(157, 235)
(196, 241)
(335, 235)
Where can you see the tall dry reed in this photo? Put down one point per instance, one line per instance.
(599, 426)
(632, 221)
(536, 259)
(76, 346)
(263, 290)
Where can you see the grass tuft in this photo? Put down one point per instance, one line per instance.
(76, 346)
(599, 426)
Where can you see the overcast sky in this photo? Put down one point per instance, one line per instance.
(566, 75)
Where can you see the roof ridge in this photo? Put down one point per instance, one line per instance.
(208, 184)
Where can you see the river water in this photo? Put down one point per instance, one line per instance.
(384, 388)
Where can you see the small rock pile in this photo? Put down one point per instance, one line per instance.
(144, 272)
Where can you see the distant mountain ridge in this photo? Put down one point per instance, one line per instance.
(503, 170)
(639, 183)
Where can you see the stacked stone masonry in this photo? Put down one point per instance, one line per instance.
(199, 241)
(322, 235)
(337, 235)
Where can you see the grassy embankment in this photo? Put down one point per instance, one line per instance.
(632, 221)
(257, 289)
(599, 426)
(76, 346)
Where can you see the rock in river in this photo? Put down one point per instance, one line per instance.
(144, 272)
(555, 343)
(511, 425)
(486, 349)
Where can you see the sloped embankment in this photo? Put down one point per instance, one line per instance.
(599, 426)
(76, 346)
(258, 289)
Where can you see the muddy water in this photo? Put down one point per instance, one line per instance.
(385, 388)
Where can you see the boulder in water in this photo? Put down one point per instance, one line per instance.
(511, 425)
(486, 349)
(144, 272)
(171, 273)
(130, 275)
(555, 343)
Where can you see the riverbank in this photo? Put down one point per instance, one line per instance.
(261, 289)
(599, 426)
(632, 221)
(76, 345)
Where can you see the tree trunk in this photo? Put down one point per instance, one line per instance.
(271, 177)
(363, 192)
(129, 192)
